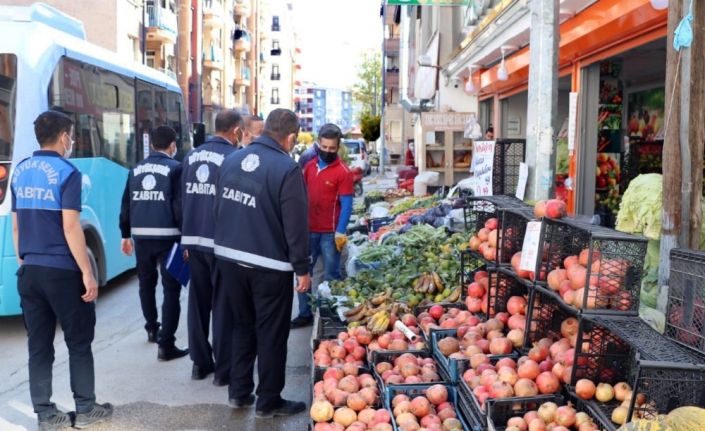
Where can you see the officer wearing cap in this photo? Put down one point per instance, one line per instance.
(55, 279)
(261, 241)
(200, 170)
(150, 214)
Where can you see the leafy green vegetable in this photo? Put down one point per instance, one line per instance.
(641, 207)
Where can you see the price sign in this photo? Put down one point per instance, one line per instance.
(523, 176)
(530, 250)
(482, 167)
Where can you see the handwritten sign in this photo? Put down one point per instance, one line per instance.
(530, 250)
(482, 167)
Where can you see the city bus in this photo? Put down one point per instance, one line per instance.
(46, 63)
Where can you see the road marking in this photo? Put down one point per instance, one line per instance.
(9, 426)
(22, 408)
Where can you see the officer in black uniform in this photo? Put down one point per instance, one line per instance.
(261, 240)
(150, 214)
(200, 170)
(55, 279)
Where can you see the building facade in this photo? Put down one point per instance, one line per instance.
(317, 106)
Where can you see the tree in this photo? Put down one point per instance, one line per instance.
(305, 138)
(369, 126)
(368, 90)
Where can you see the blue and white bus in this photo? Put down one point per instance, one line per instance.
(45, 62)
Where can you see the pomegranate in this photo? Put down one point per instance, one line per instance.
(321, 411)
(565, 416)
(516, 337)
(437, 394)
(436, 311)
(585, 389)
(547, 383)
(547, 411)
(604, 392)
(344, 416)
(420, 407)
(525, 388)
(569, 327)
(501, 346)
(529, 370)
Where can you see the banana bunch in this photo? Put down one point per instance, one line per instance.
(455, 295)
(428, 283)
(357, 313)
(379, 322)
(382, 297)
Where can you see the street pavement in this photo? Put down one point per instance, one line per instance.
(148, 395)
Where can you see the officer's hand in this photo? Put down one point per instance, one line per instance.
(91, 287)
(340, 241)
(126, 246)
(304, 283)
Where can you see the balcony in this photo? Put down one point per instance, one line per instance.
(275, 76)
(391, 47)
(391, 78)
(244, 78)
(162, 25)
(213, 13)
(213, 58)
(242, 8)
(243, 41)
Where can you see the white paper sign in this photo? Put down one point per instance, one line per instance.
(523, 177)
(145, 144)
(572, 119)
(482, 166)
(530, 249)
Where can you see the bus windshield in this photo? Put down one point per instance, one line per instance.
(8, 85)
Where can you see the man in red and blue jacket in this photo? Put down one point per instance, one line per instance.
(330, 197)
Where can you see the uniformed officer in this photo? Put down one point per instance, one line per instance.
(253, 128)
(150, 214)
(55, 280)
(261, 240)
(200, 170)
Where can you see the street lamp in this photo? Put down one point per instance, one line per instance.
(659, 4)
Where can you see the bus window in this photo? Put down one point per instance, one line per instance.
(160, 107)
(145, 102)
(177, 120)
(8, 85)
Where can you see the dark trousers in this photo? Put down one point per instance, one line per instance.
(261, 304)
(48, 294)
(151, 254)
(206, 296)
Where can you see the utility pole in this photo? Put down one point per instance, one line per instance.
(543, 97)
(684, 138)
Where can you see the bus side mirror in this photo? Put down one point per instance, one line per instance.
(199, 134)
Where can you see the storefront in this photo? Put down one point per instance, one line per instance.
(613, 56)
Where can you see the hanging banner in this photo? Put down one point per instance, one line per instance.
(429, 2)
(482, 167)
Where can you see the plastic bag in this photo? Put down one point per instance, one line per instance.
(353, 253)
(379, 212)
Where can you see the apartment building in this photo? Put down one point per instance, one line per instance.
(279, 56)
(317, 106)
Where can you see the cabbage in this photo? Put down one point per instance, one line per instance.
(641, 206)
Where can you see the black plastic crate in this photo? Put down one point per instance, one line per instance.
(481, 208)
(376, 223)
(452, 369)
(413, 391)
(500, 411)
(318, 376)
(507, 284)
(685, 316)
(390, 356)
(508, 156)
(315, 342)
(600, 413)
(612, 286)
(513, 229)
(545, 314)
(470, 263)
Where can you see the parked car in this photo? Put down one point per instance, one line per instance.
(357, 152)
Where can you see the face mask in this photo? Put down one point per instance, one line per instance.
(67, 151)
(327, 156)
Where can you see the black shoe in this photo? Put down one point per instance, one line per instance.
(152, 335)
(301, 322)
(99, 413)
(287, 408)
(238, 403)
(171, 352)
(56, 421)
(221, 381)
(198, 373)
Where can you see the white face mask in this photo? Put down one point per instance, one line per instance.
(69, 150)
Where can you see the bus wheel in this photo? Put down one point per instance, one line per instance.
(94, 264)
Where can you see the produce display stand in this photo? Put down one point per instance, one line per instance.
(413, 391)
(685, 315)
(470, 263)
(500, 411)
(390, 356)
(507, 285)
(513, 224)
